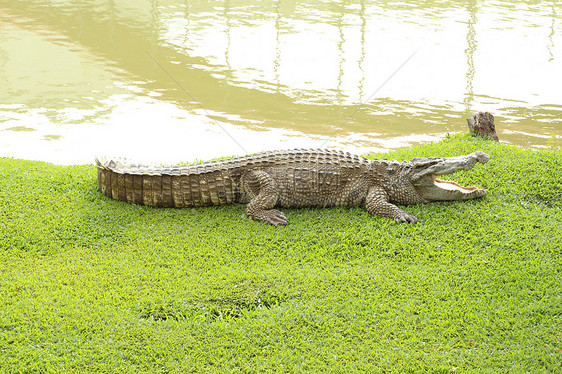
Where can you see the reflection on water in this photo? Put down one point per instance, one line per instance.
(273, 74)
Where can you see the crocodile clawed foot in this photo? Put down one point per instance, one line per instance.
(271, 216)
(407, 218)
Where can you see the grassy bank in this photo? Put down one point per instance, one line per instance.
(91, 284)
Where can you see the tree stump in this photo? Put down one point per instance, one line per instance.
(482, 125)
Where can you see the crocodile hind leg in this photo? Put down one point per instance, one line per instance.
(263, 193)
(377, 204)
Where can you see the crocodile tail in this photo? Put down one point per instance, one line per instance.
(111, 179)
(116, 163)
(121, 179)
(164, 186)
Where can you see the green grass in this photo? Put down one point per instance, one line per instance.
(88, 284)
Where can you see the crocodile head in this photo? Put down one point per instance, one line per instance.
(424, 172)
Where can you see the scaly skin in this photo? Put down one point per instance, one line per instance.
(291, 179)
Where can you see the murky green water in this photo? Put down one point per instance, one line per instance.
(92, 77)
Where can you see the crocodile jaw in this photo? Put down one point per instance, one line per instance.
(442, 190)
(430, 188)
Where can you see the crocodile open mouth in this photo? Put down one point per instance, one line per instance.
(431, 188)
(453, 186)
(436, 189)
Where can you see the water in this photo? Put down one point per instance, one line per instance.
(182, 80)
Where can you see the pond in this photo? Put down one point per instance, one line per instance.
(163, 80)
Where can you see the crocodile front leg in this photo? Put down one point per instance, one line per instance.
(263, 192)
(377, 204)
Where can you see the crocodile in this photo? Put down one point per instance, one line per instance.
(291, 179)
